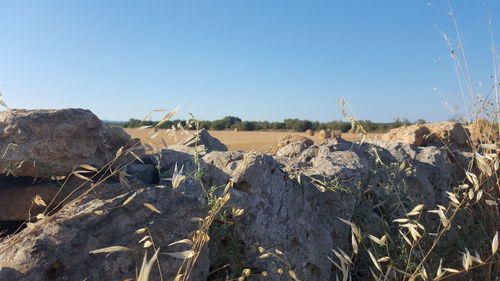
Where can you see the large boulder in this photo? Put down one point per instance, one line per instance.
(437, 134)
(293, 203)
(427, 172)
(414, 134)
(281, 214)
(448, 133)
(45, 143)
(59, 248)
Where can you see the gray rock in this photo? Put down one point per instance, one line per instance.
(433, 172)
(146, 173)
(309, 153)
(203, 138)
(282, 214)
(59, 249)
(52, 142)
(292, 149)
(440, 134)
(292, 202)
(288, 139)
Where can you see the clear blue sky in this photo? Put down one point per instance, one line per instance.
(256, 59)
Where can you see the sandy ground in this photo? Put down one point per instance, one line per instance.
(243, 140)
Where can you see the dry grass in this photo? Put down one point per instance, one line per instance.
(241, 140)
(417, 255)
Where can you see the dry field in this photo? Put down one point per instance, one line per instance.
(242, 140)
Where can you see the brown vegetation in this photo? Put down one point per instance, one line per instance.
(242, 140)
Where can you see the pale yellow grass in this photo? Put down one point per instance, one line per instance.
(242, 140)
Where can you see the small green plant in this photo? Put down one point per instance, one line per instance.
(226, 246)
(411, 249)
(334, 184)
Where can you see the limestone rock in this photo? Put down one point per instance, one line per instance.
(45, 143)
(449, 133)
(441, 133)
(203, 138)
(291, 150)
(306, 142)
(282, 214)
(414, 134)
(292, 202)
(60, 249)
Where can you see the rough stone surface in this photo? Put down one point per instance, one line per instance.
(16, 198)
(53, 142)
(59, 250)
(146, 173)
(414, 134)
(284, 141)
(449, 133)
(282, 214)
(433, 172)
(437, 134)
(292, 202)
(203, 138)
(293, 149)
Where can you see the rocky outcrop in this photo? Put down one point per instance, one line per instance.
(437, 134)
(45, 143)
(449, 133)
(59, 249)
(282, 214)
(289, 139)
(203, 141)
(146, 173)
(414, 134)
(292, 203)
(293, 149)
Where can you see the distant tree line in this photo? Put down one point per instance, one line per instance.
(231, 123)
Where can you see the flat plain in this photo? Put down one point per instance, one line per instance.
(234, 140)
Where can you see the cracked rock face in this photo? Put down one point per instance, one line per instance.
(282, 214)
(292, 202)
(299, 219)
(60, 249)
(203, 138)
(440, 133)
